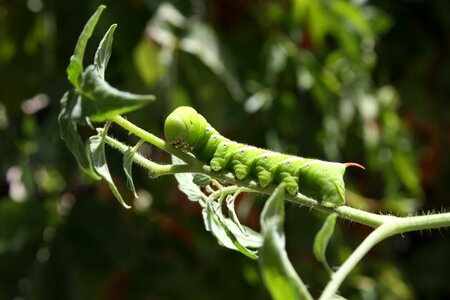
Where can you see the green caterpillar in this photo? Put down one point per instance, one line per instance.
(188, 130)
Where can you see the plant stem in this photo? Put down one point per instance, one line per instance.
(346, 212)
(154, 168)
(407, 224)
(154, 140)
(385, 225)
(372, 239)
(391, 226)
(403, 224)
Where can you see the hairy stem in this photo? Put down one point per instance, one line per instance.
(346, 212)
(431, 221)
(385, 225)
(154, 140)
(154, 168)
(404, 224)
(372, 239)
(391, 226)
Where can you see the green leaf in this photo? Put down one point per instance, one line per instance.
(128, 168)
(103, 52)
(75, 67)
(227, 233)
(318, 22)
(251, 239)
(232, 213)
(97, 151)
(353, 17)
(186, 184)
(69, 133)
(201, 179)
(279, 275)
(169, 27)
(322, 239)
(74, 71)
(146, 57)
(102, 101)
(202, 42)
(96, 99)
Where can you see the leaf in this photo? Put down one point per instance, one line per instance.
(96, 99)
(227, 233)
(127, 167)
(74, 71)
(232, 213)
(276, 62)
(352, 16)
(186, 184)
(206, 220)
(103, 52)
(75, 67)
(279, 275)
(251, 239)
(322, 239)
(166, 21)
(97, 151)
(202, 42)
(69, 133)
(101, 101)
(318, 23)
(201, 180)
(169, 27)
(225, 230)
(147, 62)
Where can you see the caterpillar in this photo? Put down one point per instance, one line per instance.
(186, 129)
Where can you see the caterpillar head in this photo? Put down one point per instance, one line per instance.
(325, 181)
(185, 128)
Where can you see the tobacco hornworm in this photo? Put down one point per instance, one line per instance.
(186, 129)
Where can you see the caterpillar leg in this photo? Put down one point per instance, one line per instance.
(266, 166)
(240, 170)
(217, 163)
(287, 172)
(242, 160)
(206, 152)
(291, 183)
(265, 177)
(224, 152)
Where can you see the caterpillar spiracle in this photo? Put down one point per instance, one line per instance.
(322, 180)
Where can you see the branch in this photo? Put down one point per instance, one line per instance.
(346, 212)
(372, 239)
(154, 140)
(390, 227)
(403, 224)
(385, 225)
(155, 169)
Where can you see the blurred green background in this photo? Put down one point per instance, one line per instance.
(364, 81)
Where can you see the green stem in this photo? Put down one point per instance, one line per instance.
(154, 140)
(230, 190)
(154, 168)
(391, 226)
(385, 225)
(372, 239)
(407, 224)
(346, 212)
(404, 224)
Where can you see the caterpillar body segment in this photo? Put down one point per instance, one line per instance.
(287, 172)
(224, 152)
(265, 167)
(186, 129)
(206, 153)
(323, 181)
(242, 161)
